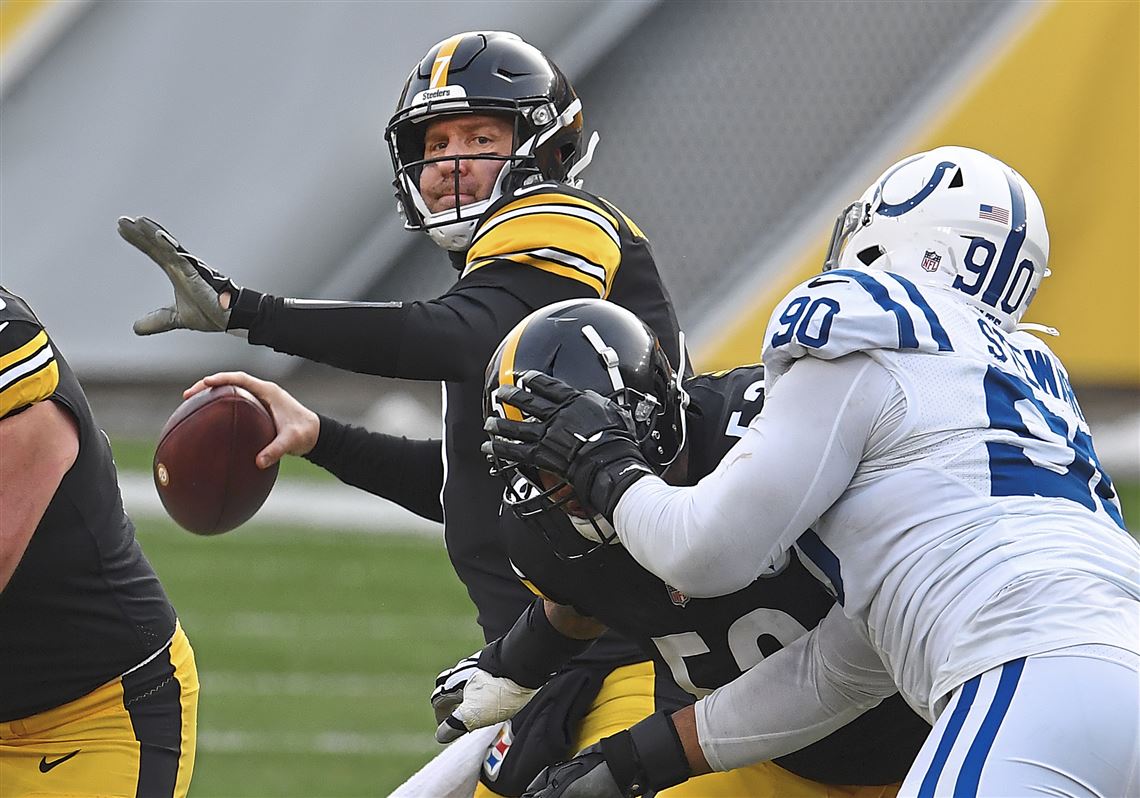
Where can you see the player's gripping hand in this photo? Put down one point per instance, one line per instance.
(580, 435)
(646, 758)
(585, 776)
(466, 698)
(203, 298)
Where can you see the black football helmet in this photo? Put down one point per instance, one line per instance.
(590, 344)
(485, 72)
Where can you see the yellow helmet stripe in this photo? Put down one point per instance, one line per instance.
(507, 365)
(442, 63)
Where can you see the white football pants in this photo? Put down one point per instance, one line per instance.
(1064, 724)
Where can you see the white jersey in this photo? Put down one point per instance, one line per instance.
(956, 504)
(990, 484)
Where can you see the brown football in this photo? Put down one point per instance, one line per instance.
(204, 465)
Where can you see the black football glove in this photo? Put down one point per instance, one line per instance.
(580, 435)
(197, 287)
(643, 759)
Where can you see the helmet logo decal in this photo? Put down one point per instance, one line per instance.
(443, 61)
(898, 209)
(930, 261)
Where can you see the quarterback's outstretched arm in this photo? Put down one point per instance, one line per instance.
(795, 460)
(449, 338)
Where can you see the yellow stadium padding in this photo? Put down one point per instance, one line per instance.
(1059, 104)
(15, 17)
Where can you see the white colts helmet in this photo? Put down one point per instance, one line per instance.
(954, 218)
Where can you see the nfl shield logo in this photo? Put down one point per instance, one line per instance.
(677, 597)
(930, 261)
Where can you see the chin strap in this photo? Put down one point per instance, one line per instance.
(575, 170)
(1041, 328)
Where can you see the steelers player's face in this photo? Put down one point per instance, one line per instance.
(572, 507)
(452, 136)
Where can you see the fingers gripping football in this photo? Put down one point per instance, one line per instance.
(198, 289)
(580, 435)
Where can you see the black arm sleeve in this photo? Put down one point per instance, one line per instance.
(407, 472)
(449, 338)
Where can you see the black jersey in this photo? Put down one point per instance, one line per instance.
(542, 244)
(708, 642)
(83, 606)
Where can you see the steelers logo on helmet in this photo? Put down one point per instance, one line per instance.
(499, 76)
(954, 218)
(590, 344)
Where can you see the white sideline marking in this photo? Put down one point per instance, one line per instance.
(299, 683)
(295, 502)
(232, 741)
(335, 625)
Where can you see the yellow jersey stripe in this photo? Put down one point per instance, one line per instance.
(442, 63)
(595, 284)
(565, 244)
(532, 205)
(546, 197)
(28, 374)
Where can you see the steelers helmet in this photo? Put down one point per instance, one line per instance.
(484, 72)
(590, 344)
(954, 218)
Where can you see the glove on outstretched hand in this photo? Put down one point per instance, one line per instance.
(580, 435)
(197, 287)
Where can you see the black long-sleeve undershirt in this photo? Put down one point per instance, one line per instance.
(449, 338)
(407, 472)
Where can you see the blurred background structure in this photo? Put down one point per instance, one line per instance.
(732, 131)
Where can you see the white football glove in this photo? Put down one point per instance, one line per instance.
(197, 287)
(466, 697)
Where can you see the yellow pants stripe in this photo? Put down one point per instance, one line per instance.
(134, 736)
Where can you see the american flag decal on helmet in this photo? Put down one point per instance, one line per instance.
(930, 261)
(993, 213)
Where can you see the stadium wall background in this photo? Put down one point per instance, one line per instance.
(1058, 99)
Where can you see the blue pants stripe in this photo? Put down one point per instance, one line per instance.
(949, 737)
(971, 773)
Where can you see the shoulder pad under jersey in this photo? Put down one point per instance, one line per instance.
(850, 310)
(28, 369)
(552, 227)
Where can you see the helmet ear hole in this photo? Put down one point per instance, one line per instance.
(870, 255)
(957, 181)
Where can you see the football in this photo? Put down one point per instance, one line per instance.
(204, 466)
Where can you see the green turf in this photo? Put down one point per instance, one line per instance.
(1130, 501)
(316, 652)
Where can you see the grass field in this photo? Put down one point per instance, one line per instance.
(317, 652)
(317, 649)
